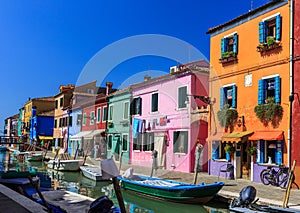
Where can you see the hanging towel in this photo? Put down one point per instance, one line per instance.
(135, 127)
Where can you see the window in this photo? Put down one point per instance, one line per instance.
(104, 115)
(125, 142)
(269, 151)
(229, 46)
(109, 142)
(55, 123)
(218, 151)
(84, 119)
(136, 106)
(137, 142)
(126, 108)
(111, 112)
(180, 142)
(60, 122)
(269, 87)
(154, 102)
(79, 119)
(228, 96)
(98, 115)
(56, 104)
(148, 144)
(92, 117)
(70, 120)
(61, 102)
(270, 28)
(182, 97)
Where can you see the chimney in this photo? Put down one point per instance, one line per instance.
(108, 87)
(147, 77)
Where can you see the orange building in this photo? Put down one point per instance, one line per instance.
(249, 90)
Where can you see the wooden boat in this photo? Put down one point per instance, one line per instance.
(92, 172)
(171, 190)
(262, 209)
(65, 165)
(16, 174)
(34, 157)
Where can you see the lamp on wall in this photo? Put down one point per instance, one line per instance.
(241, 121)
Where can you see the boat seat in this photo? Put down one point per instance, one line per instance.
(226, 168)
(64, 156)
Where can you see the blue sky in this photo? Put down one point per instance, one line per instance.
(44, 44)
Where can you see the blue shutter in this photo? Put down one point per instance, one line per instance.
(223, 46)
(233, 96)
(278, 28)
(261, 91)
(222, 97)
(262, 38)
(215, 150)
(235, 43)
(262, 150)
(277, 89)
(278, 152)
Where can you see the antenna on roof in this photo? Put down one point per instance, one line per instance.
(251, 6)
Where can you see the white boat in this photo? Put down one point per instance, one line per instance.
(92, 172)
(34, 157)
(65, 165)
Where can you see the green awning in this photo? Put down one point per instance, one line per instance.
(236, 136)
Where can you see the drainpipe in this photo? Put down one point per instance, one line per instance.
(291, 97)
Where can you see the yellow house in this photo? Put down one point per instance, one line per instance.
(39, 105)
(249, 89)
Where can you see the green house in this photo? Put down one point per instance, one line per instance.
(118, 126)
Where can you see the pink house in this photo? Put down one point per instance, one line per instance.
(169, 116)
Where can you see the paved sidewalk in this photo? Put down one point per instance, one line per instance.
(266, 194)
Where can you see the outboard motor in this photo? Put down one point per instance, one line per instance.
(247, 196)
(101, 205)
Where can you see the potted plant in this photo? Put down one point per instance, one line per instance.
(227, 116)
(269, 112)
(270, 40)
(229, 149)
(110, 124)
(251, 150)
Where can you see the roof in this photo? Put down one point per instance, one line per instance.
(246, 15)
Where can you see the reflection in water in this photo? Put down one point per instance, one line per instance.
(76, 182)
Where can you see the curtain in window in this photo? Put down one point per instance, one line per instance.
(215, 150)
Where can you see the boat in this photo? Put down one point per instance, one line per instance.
(170, 190)
(65, 165)
(3, 148)
(247, 203)
(16, 174)
(34, 157)
(92, 172)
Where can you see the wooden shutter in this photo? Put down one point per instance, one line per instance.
(262, 151)
(278, 153)
(132, 107)
(262, 34)
(235, 43)
(222, 97)
(233, 96)
(278, 28)
(277, 89)
(261, 91)
(223, 46)
(139, 103)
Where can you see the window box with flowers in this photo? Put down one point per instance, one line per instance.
(227, 116)
(229, 48)
(110, 124)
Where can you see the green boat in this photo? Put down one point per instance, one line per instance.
(171, 190)
(16, 174)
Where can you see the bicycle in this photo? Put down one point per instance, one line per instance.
(275, 177)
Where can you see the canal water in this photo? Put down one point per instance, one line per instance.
(76, 182)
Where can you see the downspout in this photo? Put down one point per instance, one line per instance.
(291, 97)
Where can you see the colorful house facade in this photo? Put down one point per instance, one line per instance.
(118, 128)
(62, 117)
(163, 111)
(295, 105)
(249, 86)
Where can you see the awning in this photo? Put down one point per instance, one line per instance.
(45, 137)
(267, 135)
(93, 133)
(236, 136)
(80, 135)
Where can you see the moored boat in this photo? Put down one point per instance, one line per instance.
(65, 165)
(3, 148)
(34, 157)
(171, 190)
(91, 172)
